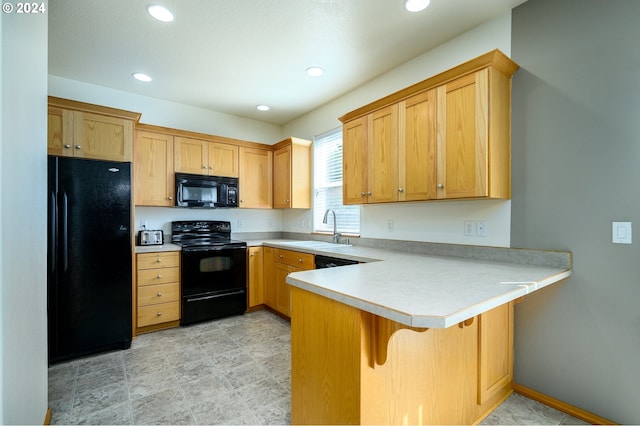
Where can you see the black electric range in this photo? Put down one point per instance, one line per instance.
(213, 270)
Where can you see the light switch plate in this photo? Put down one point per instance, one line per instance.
(621, 232)
(469, 228)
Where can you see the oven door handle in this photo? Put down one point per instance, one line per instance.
(214, 296)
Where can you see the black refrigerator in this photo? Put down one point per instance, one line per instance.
(89, 257)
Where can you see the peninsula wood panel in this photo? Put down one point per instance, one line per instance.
(496, 367)
(153, 169)
(437, 366)
(417, 147)
(325, 360)
(102, 137)
(353, 367)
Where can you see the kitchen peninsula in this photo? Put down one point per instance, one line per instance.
(410, 339)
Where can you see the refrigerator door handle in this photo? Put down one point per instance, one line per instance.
(65, 231)
(52, 232)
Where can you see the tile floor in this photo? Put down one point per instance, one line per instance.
(230, 371)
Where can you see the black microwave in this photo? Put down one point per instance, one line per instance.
(206, 191)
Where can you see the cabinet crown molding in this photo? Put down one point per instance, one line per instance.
(495, 58)
(92, 108)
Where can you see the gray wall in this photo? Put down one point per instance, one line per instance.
(576, 168)
(23, 217)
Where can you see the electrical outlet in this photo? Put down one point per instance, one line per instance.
(481, 228)
(469, 228)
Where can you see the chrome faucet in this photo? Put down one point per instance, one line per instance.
(335, 223)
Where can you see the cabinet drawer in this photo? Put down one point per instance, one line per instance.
(156, 314)
(158, 276)
(159, 293)
(294, 258)
(167, 259)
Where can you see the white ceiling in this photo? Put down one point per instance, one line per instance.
(231, 55)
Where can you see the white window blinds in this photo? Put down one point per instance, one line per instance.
(327, 158)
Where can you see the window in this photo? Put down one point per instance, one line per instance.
(327, 182)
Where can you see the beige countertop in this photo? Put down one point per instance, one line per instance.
(158, 248)
(418, 290)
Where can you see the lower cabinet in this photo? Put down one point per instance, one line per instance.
(278, 264)
(352, 367)
(158, 290)
(255, 277)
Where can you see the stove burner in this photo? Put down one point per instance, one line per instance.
(203, 234)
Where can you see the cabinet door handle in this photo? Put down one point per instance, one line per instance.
(159, 294)
(159, 314)
(67, 146)
(363, 193)
(281, 256)
(158, 260)
(300, 260)
(159, 276)
(170, 197)
(78, 146)
(440, 186)
(204, 167)
(210, 167)
(287, 201)
(369, 193)
(400, 190)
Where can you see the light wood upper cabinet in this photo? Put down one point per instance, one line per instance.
(256, 178)
(354, 161)
(77, 129)
(223, 159)
(102, 137)
(191, 156)
(292, 174)
(448, 137)
(417, 147)
(153, 169)
(383, 155)
(474, 136)
(205, 157)
(60, 132)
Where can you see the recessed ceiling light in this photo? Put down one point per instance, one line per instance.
(263, 108)
(160, 13)
(416, 5)
(315, 71)
(141, 76)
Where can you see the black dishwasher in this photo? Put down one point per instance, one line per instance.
(331, 262)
